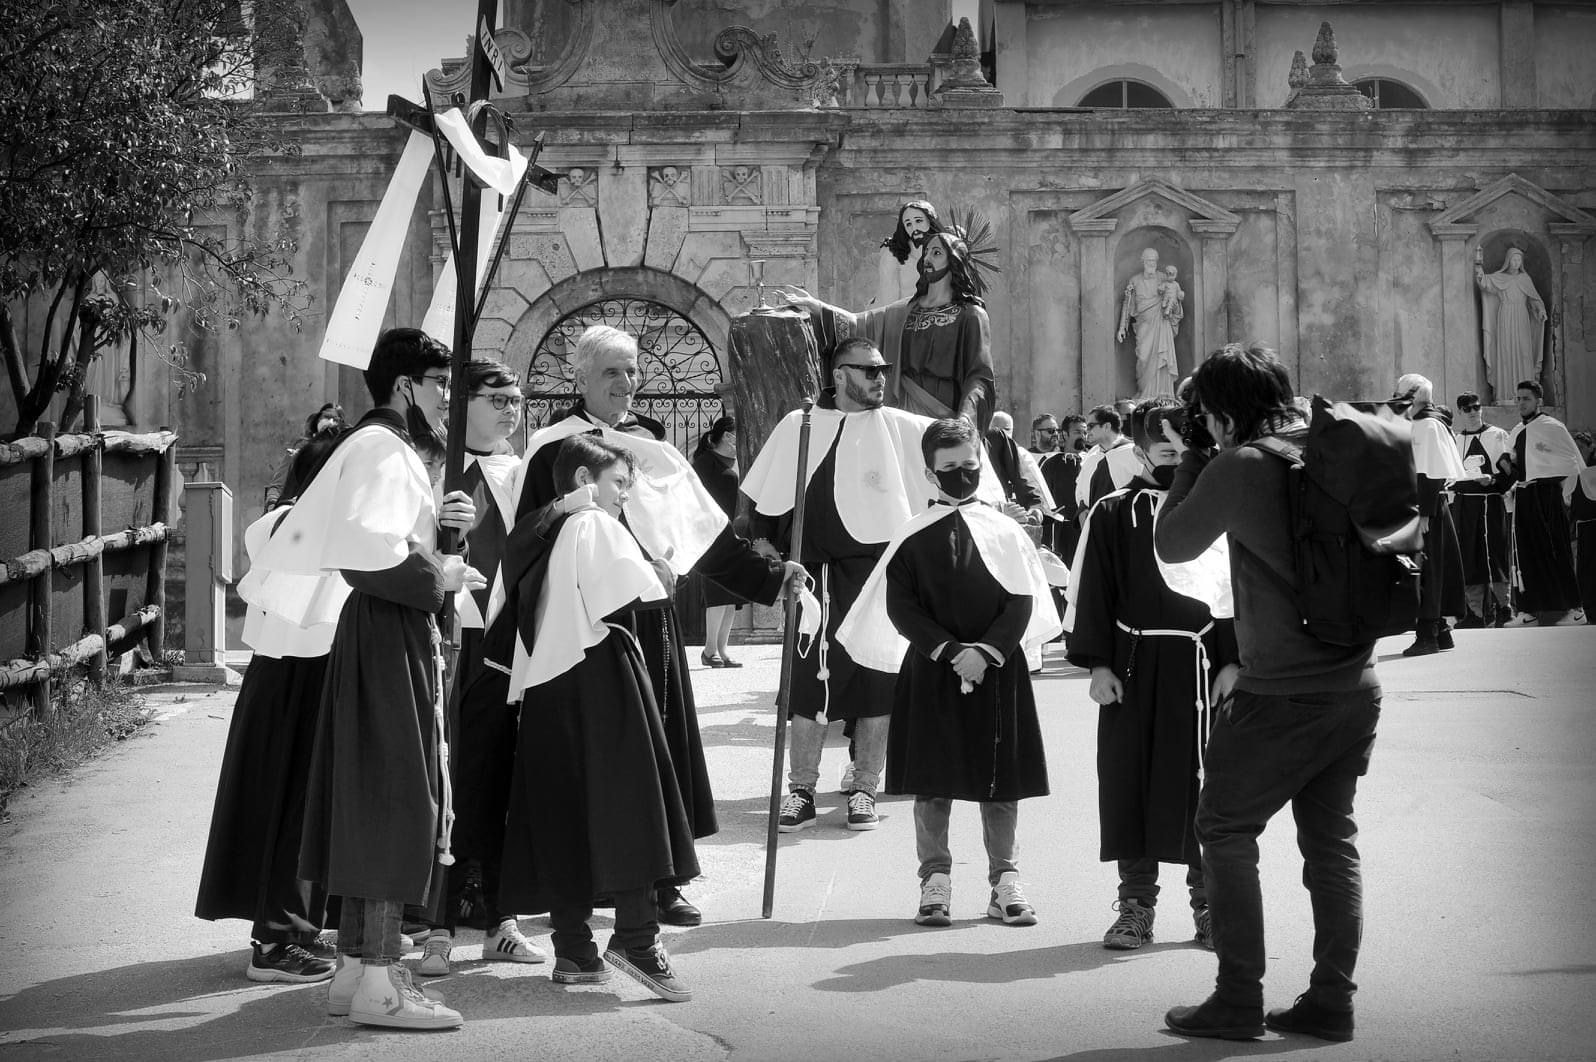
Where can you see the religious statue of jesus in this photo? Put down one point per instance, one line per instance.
(1144, 308)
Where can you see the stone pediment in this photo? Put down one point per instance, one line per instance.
(1566, 219)
(1206, 217)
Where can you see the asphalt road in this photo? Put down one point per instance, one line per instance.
(1478, 837)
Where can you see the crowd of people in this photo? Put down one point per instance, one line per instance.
(382, 784)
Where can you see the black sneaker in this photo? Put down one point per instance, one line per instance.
(862, 811)
(1310, 1019)
(1216, 1020)
(323, 946)
(288, 963)
(568, 971)
(797, 811)
(651, 968)
(1133, 927)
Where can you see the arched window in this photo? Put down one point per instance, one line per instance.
(1124, 95)
(1391, 95)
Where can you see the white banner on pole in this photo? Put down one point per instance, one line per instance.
(363, 300)
(502, 175)
(439, 322)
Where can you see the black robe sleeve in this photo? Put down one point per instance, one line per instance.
(1091, 643)
(907, 608)
(1008, 629)
(415, 582)
(732, 562)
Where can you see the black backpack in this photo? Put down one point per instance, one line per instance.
(1356, 537)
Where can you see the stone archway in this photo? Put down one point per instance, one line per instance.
(681, 333)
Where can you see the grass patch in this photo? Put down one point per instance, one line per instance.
(86, 720)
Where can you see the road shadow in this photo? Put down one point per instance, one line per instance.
(745, 821)
(978, 968)
(1187, 1049)
(130, 1011)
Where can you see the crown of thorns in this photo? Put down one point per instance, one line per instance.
(972, 228)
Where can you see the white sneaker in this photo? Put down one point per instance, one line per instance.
(846, 784)
(508, 944)
(386, 996)
(1009, 903)
(1574, 617)
(1522, 619)
(435, 955)
(346, 976)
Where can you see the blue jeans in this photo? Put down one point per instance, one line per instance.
(368, 930)
(869, 748)
(1268, 750)
(999, 821)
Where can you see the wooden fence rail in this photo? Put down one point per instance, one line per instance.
(44, 658)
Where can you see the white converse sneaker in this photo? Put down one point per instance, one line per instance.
(1009, 903)
(435, 955)
(386, 996)
(346, 976)
(508, 944)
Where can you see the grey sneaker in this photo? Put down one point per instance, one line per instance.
(1204, 920)
(936, 901)
(1133, 927)
(651, 968)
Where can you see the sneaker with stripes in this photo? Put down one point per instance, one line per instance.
(506, 943)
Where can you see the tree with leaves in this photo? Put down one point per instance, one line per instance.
(124, 205)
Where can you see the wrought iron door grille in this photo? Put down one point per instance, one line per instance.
(680, 369)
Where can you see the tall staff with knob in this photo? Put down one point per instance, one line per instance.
(789, 649)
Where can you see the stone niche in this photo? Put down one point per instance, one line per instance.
(1554, 234)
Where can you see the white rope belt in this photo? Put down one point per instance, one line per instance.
(445, 781)
(1199, 675)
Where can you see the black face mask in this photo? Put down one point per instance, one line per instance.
(958, 483)
(422, 431)
(1164, 476)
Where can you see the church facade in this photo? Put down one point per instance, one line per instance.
(1337, 205)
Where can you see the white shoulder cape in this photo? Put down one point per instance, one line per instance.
(1205, 579)
(880, 471)
(1123, 466)
(595, 567)
(270, 635)
(1008, 553)
(1549, 452)
(1434, 452)
(502, 474)
(667, 508)
(1493, 441)
(363, 512)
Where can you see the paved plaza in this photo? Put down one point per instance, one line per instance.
(1478, 837)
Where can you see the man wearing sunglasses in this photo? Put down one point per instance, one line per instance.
(866, 480)
(1544, 461)
(1479, 512)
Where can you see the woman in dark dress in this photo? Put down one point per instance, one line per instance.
(715, 461)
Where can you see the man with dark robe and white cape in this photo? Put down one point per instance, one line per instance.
(679, 527)
(864, 481)
(1109, 464)
(1543, 459)
(954, 604)
(1436, 461)
(359, 549)
(1480, 515)
(1153, 647)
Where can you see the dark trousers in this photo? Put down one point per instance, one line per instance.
(636, 925)
(1266, 751)
(1138, 880)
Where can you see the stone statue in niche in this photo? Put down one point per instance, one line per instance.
(1152, 309)
(1514, 319)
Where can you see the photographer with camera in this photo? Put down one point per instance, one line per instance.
(1297, 726)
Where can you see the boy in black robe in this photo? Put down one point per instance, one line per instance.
(595, 811)
(963, 586)
(1149, 651)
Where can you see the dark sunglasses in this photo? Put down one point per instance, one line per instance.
(1469, 409)
(871, 372)
(500, 401)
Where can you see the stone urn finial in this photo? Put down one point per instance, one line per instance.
(1324, 88)
(1299, 72)
(965, 85)
(1325, 52)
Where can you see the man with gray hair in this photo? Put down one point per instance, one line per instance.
(1438, 466)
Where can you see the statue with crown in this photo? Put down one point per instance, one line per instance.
(939, 339)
